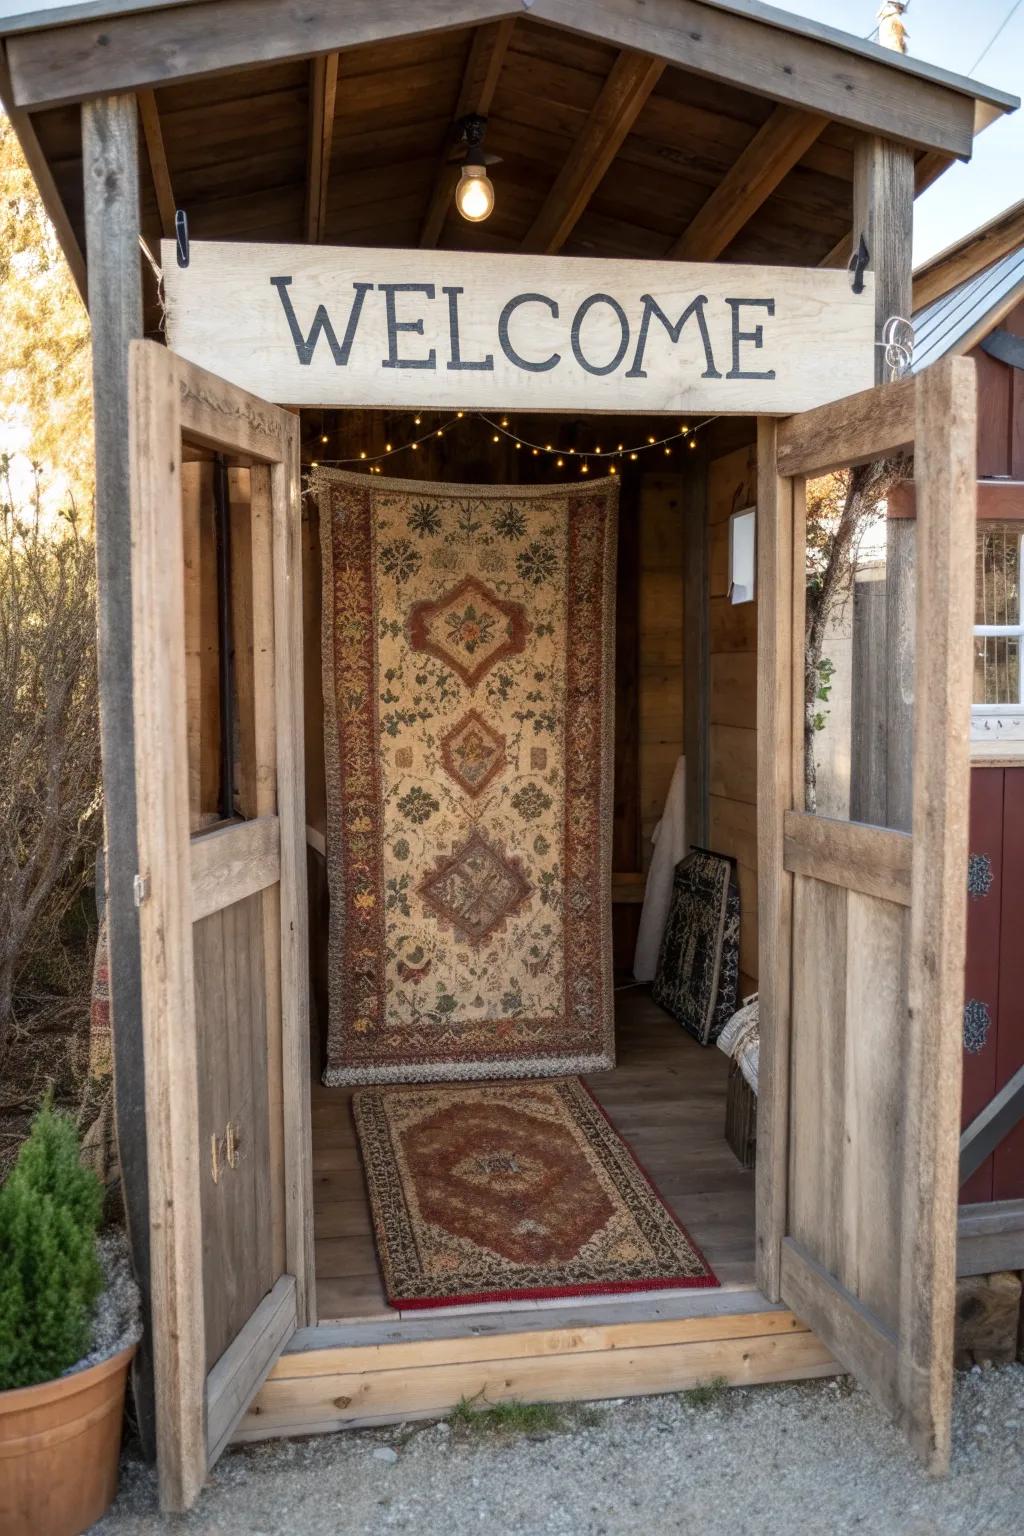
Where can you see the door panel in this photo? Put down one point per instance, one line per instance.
(222, 907)
(862, 934)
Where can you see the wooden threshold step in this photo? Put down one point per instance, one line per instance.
(352, 1385)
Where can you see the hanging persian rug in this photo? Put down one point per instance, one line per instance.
(511, 1191)
(468, 654)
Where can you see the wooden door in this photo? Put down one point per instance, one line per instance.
(862, 933)
(222, 909)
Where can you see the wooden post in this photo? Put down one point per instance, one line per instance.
(883, 214)
(110, 168)
(776, 681)
(946, 509)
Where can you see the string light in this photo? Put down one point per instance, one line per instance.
(500, 428)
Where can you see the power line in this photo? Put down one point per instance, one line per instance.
(1011, 13)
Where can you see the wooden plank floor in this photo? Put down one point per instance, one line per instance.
(666, 1097)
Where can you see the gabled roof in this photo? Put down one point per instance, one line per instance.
(960, 319)
(18, 16)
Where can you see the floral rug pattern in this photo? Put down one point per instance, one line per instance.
(468, 676)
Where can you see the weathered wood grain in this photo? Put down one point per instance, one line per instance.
(778, 655)
(872, 860)
(110, 169)
(945, 454)
(853, 431)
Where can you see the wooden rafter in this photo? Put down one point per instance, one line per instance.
(149, 117)
(483, 68)
(632, 78)
(323, 89)
(928, 169)
(772, 153)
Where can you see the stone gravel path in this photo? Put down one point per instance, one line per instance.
(814, 1458)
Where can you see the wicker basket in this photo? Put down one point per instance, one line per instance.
(741, 1117)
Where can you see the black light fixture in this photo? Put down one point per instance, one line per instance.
(474, 190)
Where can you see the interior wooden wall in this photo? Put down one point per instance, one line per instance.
(732, 707)
(660, 646)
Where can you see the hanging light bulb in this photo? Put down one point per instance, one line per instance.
(474, 193)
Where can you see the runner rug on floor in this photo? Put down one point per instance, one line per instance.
(468, 651)
(511, 1192)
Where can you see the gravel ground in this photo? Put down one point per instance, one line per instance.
(815, 1457)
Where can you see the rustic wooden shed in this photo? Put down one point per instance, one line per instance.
(631, 129)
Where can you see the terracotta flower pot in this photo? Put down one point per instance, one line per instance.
(60, 1443)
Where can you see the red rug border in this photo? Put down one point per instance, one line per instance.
(706, 1282)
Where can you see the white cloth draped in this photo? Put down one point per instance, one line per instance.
(669, 840)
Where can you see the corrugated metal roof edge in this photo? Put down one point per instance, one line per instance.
(974, 324)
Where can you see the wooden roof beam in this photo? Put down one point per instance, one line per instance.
(631, 80)
(799, 65)
(772, 153)
(149, 117)
(323, 90)
(479, 83)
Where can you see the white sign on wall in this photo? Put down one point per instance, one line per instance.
(345, 326)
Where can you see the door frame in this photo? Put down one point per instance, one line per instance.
(174, 407)
(933, 412)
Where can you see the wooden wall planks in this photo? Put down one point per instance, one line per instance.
(660, 646)
(732, 707)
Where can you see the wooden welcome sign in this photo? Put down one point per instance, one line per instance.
(344, 326)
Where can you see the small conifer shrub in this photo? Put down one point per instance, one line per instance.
(50, 1274)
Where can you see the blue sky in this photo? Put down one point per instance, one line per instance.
(953, 33)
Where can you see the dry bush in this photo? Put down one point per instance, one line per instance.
(50, 804)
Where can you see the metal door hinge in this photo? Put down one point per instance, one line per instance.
(140, 889)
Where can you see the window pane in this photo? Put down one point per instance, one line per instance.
(996, 669)
(997, 577)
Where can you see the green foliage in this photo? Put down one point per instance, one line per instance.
(50, 1274)
(826, 671)
(505, 1420)
(705, 1394)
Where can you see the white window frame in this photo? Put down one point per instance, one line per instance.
(992, 723)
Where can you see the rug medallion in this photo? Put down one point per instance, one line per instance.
(510, 1191)
(468, 656)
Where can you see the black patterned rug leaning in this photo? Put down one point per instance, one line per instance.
(512, 1191)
